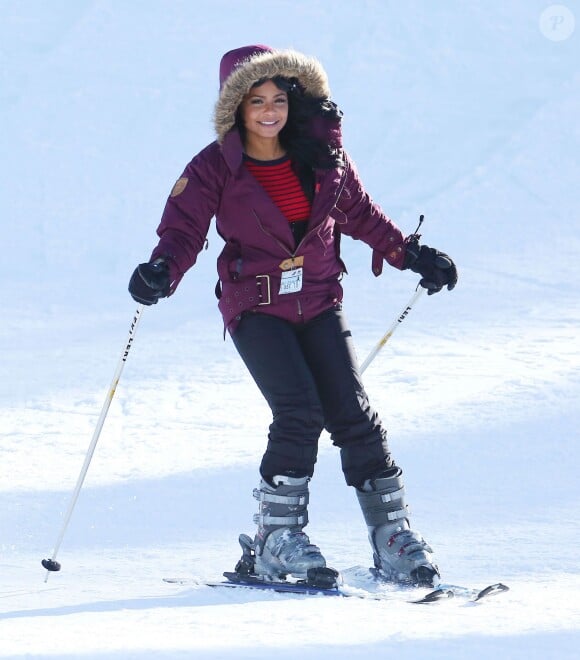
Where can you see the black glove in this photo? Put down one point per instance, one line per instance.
(436, 268)
(150, 282)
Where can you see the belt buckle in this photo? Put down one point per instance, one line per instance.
(259, 284)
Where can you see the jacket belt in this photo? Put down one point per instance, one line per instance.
(237, 297)
(242, 295)
(264, 289)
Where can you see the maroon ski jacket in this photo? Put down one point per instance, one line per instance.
(259, 245)
(260, 252)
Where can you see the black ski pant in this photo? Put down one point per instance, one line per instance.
(308, 374)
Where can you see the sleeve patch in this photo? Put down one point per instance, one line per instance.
(179, 186)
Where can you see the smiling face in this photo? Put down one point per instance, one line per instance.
(264, 112)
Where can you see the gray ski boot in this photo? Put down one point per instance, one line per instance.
(280, 547)
(400, 554)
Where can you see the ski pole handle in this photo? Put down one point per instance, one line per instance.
(51, 564)
(385, 338)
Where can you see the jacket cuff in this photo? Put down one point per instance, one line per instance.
(412, 251)
(394, 257)
(377, 263)
(175, 274)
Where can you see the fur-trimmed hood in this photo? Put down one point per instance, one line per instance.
(260, 64)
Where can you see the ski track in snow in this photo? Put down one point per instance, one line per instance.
(473, 120)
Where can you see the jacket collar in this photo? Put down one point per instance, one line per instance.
(233, 150)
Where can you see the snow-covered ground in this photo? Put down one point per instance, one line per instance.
(467, 112)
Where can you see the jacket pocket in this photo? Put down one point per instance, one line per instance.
(338, 216)
(229, 263)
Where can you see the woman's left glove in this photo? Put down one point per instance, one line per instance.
(150, 282)
(436, 268)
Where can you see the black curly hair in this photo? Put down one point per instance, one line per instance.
(306, 150)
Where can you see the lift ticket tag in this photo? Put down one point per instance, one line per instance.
(291, 281)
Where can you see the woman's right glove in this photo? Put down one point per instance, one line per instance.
(150, 282)
(436, 268)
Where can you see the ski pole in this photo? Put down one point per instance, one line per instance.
(51, 564)
(385, 338)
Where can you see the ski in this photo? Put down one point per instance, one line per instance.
(355, 582)
(445, 591)
(441, 593)
(233, 580)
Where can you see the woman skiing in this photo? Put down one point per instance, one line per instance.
(283, 190)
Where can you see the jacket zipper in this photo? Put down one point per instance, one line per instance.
(317, 188)
(288, 252)
(297, 249)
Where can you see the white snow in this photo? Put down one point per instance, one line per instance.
(466, 112)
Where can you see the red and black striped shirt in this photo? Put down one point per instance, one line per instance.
(281, 183)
